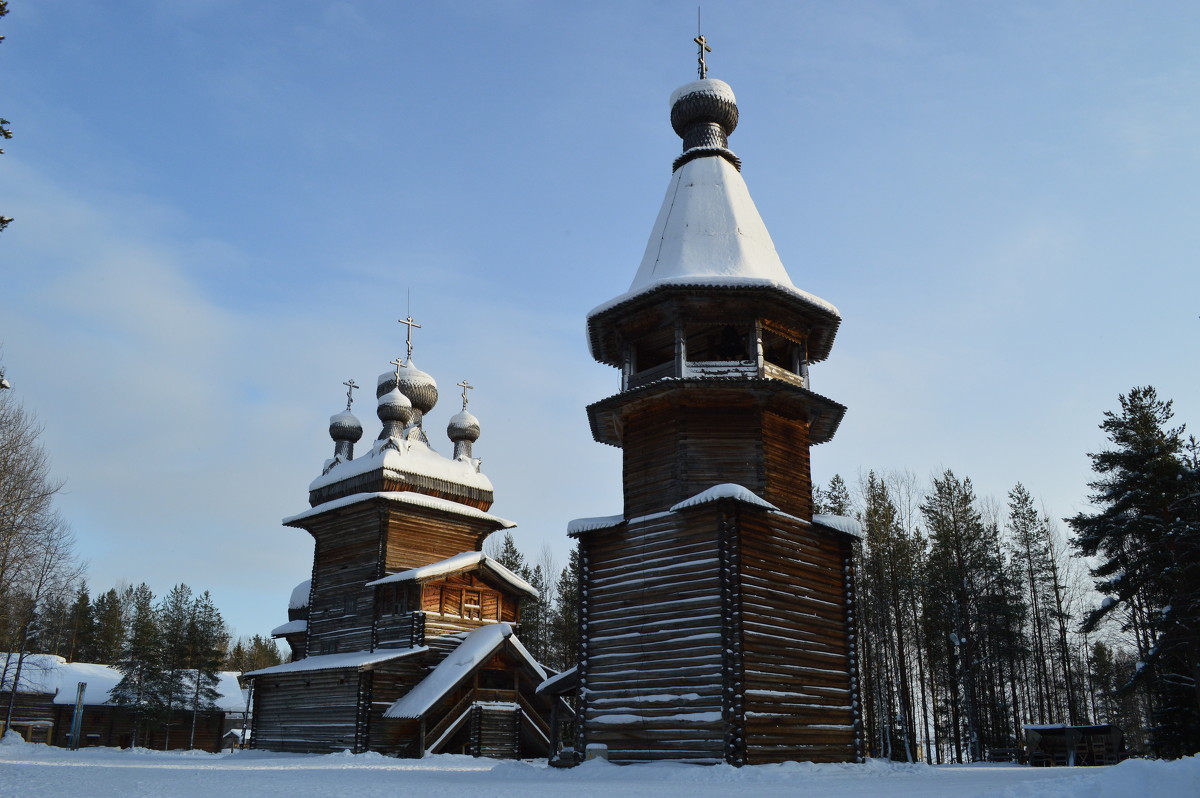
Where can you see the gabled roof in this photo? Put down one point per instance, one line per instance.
(477, 647)
(460, 563)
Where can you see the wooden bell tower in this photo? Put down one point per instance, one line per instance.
(717, 609)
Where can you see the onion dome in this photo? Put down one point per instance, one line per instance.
(344, 426)
(419, 387)
(395, 411)
(463, 427)
(703, 114)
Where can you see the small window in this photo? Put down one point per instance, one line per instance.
(472, 606)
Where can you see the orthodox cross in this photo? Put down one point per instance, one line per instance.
(704, 48)
(350, 386)
(397, 363)
(465, 385)
(408, 338)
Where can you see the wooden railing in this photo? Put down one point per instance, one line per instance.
(534, 717)
(448, 720)
(508, 696)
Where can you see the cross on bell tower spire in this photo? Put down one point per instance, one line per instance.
(704, 48)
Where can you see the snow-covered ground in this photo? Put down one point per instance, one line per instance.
(38, 771)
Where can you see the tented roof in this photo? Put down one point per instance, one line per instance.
(709, 233)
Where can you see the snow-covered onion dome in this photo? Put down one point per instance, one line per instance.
(703, 114)
(463, 429)
(420, 388)
(346, 431)
(396, 412)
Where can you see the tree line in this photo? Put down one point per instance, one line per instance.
(978, 617)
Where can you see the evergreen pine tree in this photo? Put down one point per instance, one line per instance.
(957, 562)
(535, 618)
(108, 637)
(565, 618)
(511, 557)
(174, 616)
(82, 626)
(140, 664)
(206, 641)
(264, 653)
(1145, 536)
(835, 500)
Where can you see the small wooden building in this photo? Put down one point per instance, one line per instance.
(717, 619)
(45, 706)
(405, 640)
(1058, 744)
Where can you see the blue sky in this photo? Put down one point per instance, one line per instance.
(221, 208)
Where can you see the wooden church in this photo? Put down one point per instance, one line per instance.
(403, 639)
(717, 620)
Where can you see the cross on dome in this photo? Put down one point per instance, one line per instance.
(350, 386)
(465, 386)
(398, 363)
(408, 339)
(704, 48)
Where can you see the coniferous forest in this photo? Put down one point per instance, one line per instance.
(978, 616)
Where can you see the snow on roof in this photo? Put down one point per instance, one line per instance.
(350, 659)
(403, 497)
(841, 523)
(417, 458)
(299, 599)
(48, 673)
(709, 232)
(459, 562)
(581, 525)
(290, 628)
(726, 490)
(706, 86)
(477, 647)
(547, 687)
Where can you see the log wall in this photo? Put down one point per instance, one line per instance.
(651, 664)
(796, 635)
(314, 712)
(673, 451)
(788, 483)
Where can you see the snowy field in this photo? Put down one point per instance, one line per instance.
(38, 771)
